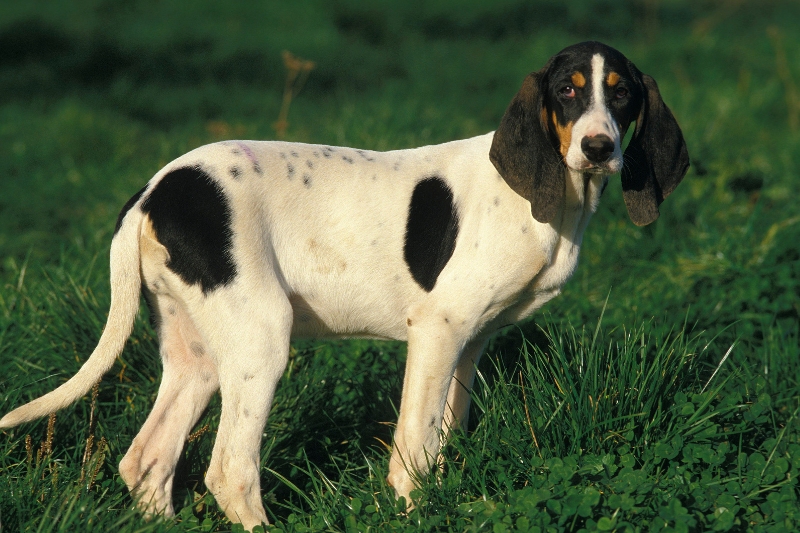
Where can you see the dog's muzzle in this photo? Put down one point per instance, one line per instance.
(597, 149)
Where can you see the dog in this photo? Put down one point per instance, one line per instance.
(239, 246)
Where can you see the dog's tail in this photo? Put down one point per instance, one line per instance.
(125, 289)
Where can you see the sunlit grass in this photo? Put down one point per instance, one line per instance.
(659, 392)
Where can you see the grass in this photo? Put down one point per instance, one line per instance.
(659, 392)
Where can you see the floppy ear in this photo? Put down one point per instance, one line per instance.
(656, 158)
(523, 153)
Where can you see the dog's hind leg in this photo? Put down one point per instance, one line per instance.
(252, 326)
(188, 381)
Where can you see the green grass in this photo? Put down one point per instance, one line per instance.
(659, 392)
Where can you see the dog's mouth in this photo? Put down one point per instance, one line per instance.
(612, 166)
(592, 163)
(592, 168)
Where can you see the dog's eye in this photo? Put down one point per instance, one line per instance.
(568, 92)
(621, 92)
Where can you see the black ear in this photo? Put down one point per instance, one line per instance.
(656, 158)
(523, 153)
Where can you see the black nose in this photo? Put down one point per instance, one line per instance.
(598, 148)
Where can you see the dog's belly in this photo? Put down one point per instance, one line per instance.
(340, 284)
(344, 309)
(313, 320)
(348, 281)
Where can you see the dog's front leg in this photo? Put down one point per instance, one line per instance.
(434, 346)
(456, 414)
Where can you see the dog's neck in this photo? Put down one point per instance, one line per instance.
(583, 190)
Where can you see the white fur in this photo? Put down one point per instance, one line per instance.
(325, 258)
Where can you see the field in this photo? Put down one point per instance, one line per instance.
(659, 392)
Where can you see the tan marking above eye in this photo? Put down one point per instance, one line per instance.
(578, 80)
(564, 134)
(612, 79)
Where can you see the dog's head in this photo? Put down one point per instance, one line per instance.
(574, 113)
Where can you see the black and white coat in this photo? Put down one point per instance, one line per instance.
(239, 246)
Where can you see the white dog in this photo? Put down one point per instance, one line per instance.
(239, 246)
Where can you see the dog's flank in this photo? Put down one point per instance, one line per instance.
(241, 245)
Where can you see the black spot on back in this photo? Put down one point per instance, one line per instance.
(431, 231)
(192, 219)
(127, 207)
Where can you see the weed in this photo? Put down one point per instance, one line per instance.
(297, 71)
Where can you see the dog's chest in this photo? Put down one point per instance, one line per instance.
(562, 242)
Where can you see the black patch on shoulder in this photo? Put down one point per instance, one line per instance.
(431, 231)
(192, 219)
(127, 207)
